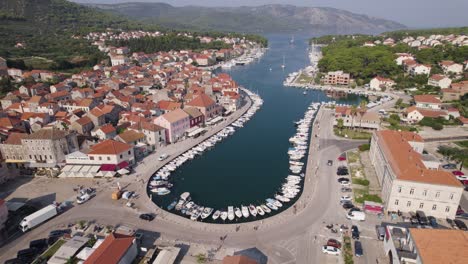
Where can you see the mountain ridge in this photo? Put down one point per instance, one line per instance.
(253, 19)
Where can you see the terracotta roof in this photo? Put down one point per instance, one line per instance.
(437, 77)
(111, 250)
(108, 128)
(52, 134)
(96, 112)
(426, 98)
(426, 112)
(168, 105)
(406, 162)
(84, 121)
(193, 112)
(238, 259)
(436, 246)
(176, 115)
(202, 100)
(109, 147)
(15, 139)
(130, 136)
(150, 126)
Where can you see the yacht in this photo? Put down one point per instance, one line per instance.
(265, 208)
(216, 214)
(161, 191)
(231, 213)
(206, 212)
(260, 210)
(238, 212)
(271, 206)
(224, 215)
(252, 210)
(245, 211)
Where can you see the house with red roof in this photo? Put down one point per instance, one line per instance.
(427, 101)
(379, 83)
(206, 105)
(439, 80)
(106, 131)
(116, 249)
(175, 122)
(112, 153)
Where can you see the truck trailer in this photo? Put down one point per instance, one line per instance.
(38, 217)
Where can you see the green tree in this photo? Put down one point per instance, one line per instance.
(340, 124)
(201, 258)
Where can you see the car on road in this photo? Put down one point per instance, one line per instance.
(343, 179)
(358, 252)
(460, 224)
(345, 198)
(346, 184)
(331, 250)
(449, 166)
(330, 162)
(333, 243)
(348, 205)
(346, 189)
(163, 157)
(147, 217)
(342, 158)
(81, 199)
(433, 221)
(355, 232)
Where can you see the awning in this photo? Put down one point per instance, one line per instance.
(123, 164)
(15, 161)
(108, 167)
(123, 171)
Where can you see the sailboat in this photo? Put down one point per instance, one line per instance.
(283, 65)
(291, 41)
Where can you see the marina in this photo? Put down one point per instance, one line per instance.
(269, 180)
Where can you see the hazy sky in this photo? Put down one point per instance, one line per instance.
(413, 13)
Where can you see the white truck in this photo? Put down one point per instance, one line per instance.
(356, 215)
(38, 217)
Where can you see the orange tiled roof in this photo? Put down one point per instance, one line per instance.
(426, 98)
(202, 100)
(109, 147)
(111, 250)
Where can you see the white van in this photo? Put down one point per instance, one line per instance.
(356, 215)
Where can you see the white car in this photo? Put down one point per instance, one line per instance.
(345, 198)
(462, 177)
(331, 250)
(84, 198)
(163, 157)
(345, 183)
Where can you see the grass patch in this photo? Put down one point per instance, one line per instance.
(403, 128)
(363, 182)
(463, 144)
(352, 157)
(303, 78)
(50, 252)
(347, 250)
(352, 134)
(367, 197)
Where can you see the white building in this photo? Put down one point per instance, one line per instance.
(407, 184)
(439, 80)
(426, 101)
(378, 83)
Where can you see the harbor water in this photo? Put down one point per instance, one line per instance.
(251, 165)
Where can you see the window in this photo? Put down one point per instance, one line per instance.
(108, 158)
(100, 158)
(421, 205)
(411, 191)
(121, 156)
(434, 207)
(91, 158)
(50, 156)
(437, 194)
(451, 196)
(129, 152)
(408, 203)
(399, 189)
(396, 201)
(30, 157)
(447, 209)
(425, 192)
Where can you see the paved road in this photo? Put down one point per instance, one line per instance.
(289, 237)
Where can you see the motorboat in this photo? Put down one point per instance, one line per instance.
(216, 215)
(180, 205)
(185, 196)
(271, 206)
(260, 210)
(245, 211)
(281, 198)
(206, 212)
(265, 208)
(161, 191)
(238, 212)
(172, 205)
(224, 215)
(231, 213)
(252, 210)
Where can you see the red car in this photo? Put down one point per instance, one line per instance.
(341, 158)
(333, 243)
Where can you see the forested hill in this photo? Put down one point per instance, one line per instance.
(254, 19)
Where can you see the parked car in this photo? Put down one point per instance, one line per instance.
(346, 189)
(343, 179)
(13, 261)
(346, 184)
(333, 243)
(413, 218)
(342, 158)
(432, 221)
(460, 224)
(422, 219)
(27, 255)
(59, 232)
(345, 198)
(380, 232)
(450, 166)
(147, 217)
(355, 209)
(342, 172)
(348, 205)
(163, 157)
(356, 215)
(355, 232)
(40, 244)
(462, 216)
(81, 199)
(331, 250)
(450, 222)
(358, 252)
(330, 162)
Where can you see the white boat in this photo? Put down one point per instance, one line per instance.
(179, 205)
(206, 212)
(231, 213)
(161, 191)
(281, 198)
(245, 211)
(196, 214)
(260, 210)
(271, 206)
(238, 212)
(252, 210)
(224, 215)
(265, 208)
(216, 215)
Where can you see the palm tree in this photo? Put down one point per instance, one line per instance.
(354, 111)
(340, 125)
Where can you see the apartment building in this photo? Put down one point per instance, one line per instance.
(337, 78)
(408, 183)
